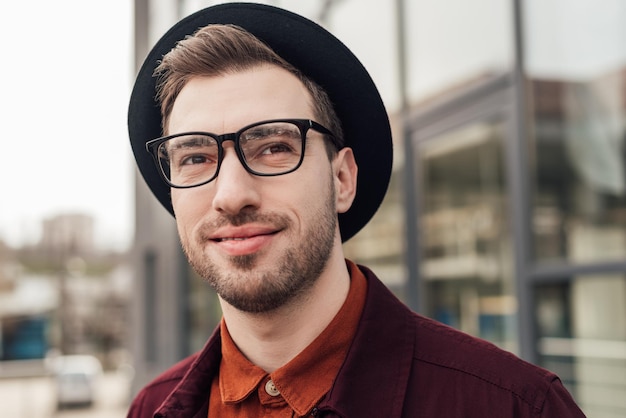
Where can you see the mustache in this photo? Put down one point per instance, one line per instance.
(242, 218)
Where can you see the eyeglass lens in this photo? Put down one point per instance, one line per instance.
(267, 149)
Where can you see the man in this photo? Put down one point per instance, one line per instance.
(271, 147)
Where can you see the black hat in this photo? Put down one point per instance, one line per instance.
(321, 57)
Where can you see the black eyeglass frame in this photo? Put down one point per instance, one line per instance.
(304, 125)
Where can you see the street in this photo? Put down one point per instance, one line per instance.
(35, 397)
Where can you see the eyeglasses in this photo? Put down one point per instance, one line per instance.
(267, 148)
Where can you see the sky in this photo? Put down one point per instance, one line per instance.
(66, 71)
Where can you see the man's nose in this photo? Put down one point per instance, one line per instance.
(235, 188)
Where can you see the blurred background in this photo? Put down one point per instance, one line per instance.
(505, 218)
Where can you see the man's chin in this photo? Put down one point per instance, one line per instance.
(246, 262)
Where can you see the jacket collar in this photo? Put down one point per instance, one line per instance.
(374, 378)
(192, 392)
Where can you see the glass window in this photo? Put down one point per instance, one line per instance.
(576, 62)
(456, 43)
(582, 337)
(465, 240)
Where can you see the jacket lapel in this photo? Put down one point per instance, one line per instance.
(374, 377)
(190, 398)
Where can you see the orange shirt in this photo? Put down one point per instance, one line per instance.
(242, 389)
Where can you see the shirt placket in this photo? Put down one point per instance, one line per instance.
(271, 399)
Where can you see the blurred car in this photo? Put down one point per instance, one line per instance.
(76, 378)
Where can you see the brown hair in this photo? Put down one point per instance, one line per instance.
(221, 49)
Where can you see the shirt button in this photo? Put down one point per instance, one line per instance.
(270, 388)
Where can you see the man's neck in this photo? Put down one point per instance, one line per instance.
(271, 340)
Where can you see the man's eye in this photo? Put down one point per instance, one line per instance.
(276, 149)
(194, 159)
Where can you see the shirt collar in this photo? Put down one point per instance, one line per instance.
(305, 380)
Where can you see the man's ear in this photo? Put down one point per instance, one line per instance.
(344, 174)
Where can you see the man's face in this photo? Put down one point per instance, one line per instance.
(259, 241)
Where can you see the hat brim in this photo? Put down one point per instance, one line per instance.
(321, 57)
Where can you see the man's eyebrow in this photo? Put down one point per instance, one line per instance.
(191, 140)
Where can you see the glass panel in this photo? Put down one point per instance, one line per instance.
(577, 68)
(466, 251)
(455, 43)
(582, 337)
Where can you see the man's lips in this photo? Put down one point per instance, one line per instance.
(241, 233)
(237, 241)
(230, 239)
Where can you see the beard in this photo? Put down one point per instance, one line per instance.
(252, 288)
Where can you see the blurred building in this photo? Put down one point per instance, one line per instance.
(68, 234)
(506, 214)
(62, 294)
(26, 309)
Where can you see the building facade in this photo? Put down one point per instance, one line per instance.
(506, 214)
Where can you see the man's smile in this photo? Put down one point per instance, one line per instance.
(243, 240)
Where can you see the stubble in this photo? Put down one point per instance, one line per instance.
(250, 287)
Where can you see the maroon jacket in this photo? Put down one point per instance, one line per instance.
(400, 365)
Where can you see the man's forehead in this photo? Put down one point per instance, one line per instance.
(228, 102)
